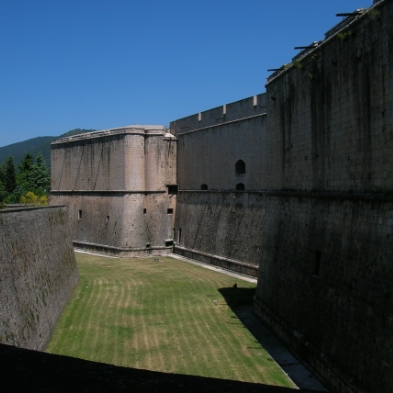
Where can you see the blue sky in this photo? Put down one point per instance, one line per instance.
(99, 64)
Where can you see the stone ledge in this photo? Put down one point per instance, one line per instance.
(215, 260)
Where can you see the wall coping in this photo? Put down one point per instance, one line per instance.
(26, 208)
(145, 130)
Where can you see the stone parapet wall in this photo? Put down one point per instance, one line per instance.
(37, 274)
(246, 108)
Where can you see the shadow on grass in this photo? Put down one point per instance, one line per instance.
(32, 371)
(237, 297)
(240, 300)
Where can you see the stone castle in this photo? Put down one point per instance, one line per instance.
(294, 186)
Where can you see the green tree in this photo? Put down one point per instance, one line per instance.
(9, 175)
(24, 176)
(40, 176)
(3, 193)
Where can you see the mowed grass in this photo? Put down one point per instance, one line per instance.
(165, 316)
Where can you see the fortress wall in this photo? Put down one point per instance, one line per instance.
(330, 116)
(90, 163)
(219, 225)
(325, 286)
(37, 274)
(101, 218)
(210, 155)
(128, 209)
(325, 276)
(316, 207)
(160, 157)
(234, 111)
(159, 221)
(221, 228)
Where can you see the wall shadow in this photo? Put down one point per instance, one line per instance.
(237, 297)
(25, 370)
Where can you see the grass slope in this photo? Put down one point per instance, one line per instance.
(165, 316)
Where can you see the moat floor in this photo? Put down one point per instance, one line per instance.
(291, 366)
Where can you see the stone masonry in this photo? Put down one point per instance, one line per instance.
(120, 188)
(293, 186)
(37, 274)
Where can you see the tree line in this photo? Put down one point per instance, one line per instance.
(28, 183)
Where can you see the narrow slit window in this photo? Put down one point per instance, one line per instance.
(240, 167)
(317, 263)
(79, 214)
(144, 211)
(179, 236)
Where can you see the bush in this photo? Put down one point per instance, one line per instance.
(29, 197)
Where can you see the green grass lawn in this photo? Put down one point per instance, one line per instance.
(165, 316)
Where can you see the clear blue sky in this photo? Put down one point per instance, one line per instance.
(99, 64)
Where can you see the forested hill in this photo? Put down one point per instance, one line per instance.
(34, 146)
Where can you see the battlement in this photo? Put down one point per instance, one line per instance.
(235, 111)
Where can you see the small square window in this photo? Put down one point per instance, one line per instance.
(169, 211)
(172, 189)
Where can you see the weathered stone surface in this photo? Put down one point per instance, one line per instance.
(37, 274)
(297, 182)
(315, 213)
(115, 185)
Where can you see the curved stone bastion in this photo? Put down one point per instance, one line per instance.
(120, 188)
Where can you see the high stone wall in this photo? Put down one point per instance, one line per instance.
(116, 185)
(37, 274)
(325, 276)
(330, 114)
(212, 220)
(316, 210)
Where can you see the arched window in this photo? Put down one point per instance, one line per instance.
(240, 186)
(204, 187)
(240, 167)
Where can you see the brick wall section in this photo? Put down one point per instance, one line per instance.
(37, 274)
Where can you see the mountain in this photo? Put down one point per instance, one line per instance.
(34, 146)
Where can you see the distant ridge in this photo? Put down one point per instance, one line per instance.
(34, 146)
